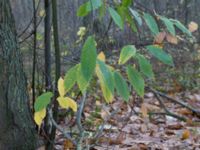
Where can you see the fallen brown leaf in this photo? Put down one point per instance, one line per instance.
(184, 111)
(175, 126)
(185, 134)
(68, 145)
(143, 146)
(143, 128)
(118, 140)
(144, 111)
(172, 39)
(169, 132)
(160, 38)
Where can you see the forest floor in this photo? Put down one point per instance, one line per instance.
(141, 124)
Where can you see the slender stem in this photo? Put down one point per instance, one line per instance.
(65, 133)
(32, 19)
(181, 103)
(34, 49)
(169, 112)
(78, 122)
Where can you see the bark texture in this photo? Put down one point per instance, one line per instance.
(17, 131)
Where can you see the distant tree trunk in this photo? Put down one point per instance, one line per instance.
(47, 43)
(34, 49)
(17, 131)
(49, 146)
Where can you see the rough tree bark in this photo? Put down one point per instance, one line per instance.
(17, 131)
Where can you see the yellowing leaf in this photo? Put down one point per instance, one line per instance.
(61, 87)
(101, 56)
(82, 31)
(158, 45)
(42, 13)
(66, 102)
(39, 116)
(193, 26)
(106, 80)
(185, 134)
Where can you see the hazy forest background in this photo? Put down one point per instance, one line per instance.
(165, 116)
(68, 24)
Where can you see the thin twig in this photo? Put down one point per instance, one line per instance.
(79, 113)
(101, 127)
(32, 32)
(66, 134)
(197, 112)
(78, 122)
(167, 111)
(29, 24)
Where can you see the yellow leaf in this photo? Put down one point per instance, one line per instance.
(158, 45)
(61, 87)
(193, 26)
(42, 13)
(82, 31)
(66, 102)
(39, 116)
(101, 56)
(185, 134)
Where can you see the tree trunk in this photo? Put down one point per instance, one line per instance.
(17, 131)
(49, 146)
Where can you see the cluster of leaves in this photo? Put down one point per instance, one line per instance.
(44, 100)
(92, 63)
(124, 13)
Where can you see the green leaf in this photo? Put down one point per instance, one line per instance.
(116, 17)
(81, 81)
(151, 23)
(145, 66)
(106, 80)
(121, 86)
(169, 25)
(136, 80)
(160, 54)
(126, 53)
(130, 20)
(102, 11)
(39, 36)
(88, 58)
(125, 15)
(136, 16)
(87, 7)
(70, 78)
(121, 10)
(179, 25)
(126, 3)
(95, 4)
(83, 10)
(42, 101)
